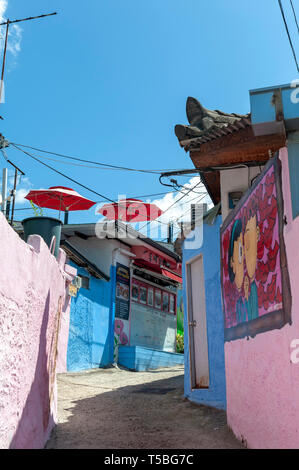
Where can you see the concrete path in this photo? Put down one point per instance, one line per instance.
(119, 409)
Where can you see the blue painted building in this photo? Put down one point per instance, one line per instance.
(204, 381)
(140, 358)
(123, 308)
(88, 345)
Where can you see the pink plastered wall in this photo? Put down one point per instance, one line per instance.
(261, 380)
(34, 308)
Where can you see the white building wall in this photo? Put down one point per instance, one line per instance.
(238, 179)
(98, 251)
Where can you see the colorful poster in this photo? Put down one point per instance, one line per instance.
(254, 276)
(180, 312)
(122, 307)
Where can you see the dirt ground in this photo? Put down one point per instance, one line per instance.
(119, 409)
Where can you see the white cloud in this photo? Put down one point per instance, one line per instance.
(180, 209)
(23, 187)
(14, 35)
(176, 207)
(3, 7)
(21, 193)
(15, 39)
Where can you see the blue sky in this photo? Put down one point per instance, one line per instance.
(108, 80)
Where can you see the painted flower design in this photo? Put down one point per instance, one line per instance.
(118, 327)
(225, 245)
(123, 338)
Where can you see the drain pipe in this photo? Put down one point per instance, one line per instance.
(122, 251)
(131, 281)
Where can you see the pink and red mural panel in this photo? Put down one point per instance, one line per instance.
(255, 282)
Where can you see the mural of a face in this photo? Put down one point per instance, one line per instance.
(264, 301)
(237, 261)
(251, 237)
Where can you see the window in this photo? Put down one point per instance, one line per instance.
(143, 295)
(150, 296)
(172, 304)
(84, 281)
(135, 292)
(158, 299)
(153, 297)
(165, 302)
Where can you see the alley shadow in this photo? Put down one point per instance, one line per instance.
(151, 415)
(36, 417)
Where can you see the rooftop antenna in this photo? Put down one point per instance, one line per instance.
(7, 23)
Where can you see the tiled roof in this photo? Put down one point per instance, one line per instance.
(206, 125)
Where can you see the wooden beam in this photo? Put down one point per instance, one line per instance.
(239, 147)
(212, 183)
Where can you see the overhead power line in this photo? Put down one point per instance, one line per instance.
(199, 199)
(107, 165)
(101, 164)
(172, 205)
(149, 195)
(288, 33)
(72, 179)
(98, 202)
(101, 195)
(63, 174)
(295, 16)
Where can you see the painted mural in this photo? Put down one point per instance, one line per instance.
(255, 282)
(180, 312)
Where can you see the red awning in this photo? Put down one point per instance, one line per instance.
(171, 275)
(158, 269)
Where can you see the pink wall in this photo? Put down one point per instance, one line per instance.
(33, 327)
(261, 380)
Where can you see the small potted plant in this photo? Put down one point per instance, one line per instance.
(48, 228)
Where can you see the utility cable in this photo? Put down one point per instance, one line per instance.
(62, 174)
(185, 172)
(172, 205)
(128, 198)
(288, 33)
(75, 181)
(68, 177)
(199, 199)
(108, 165)
(295, 16)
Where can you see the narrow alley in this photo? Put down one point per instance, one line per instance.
(119, 409)
(149, 227)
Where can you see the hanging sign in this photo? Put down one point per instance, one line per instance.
(72, 290)
(122, 301)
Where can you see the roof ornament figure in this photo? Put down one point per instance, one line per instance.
(204, 120)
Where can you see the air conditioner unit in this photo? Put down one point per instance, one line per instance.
(77, 282)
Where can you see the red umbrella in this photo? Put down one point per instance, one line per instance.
(130, 210)
(59, 198)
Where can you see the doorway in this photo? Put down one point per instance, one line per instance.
(197, 324)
